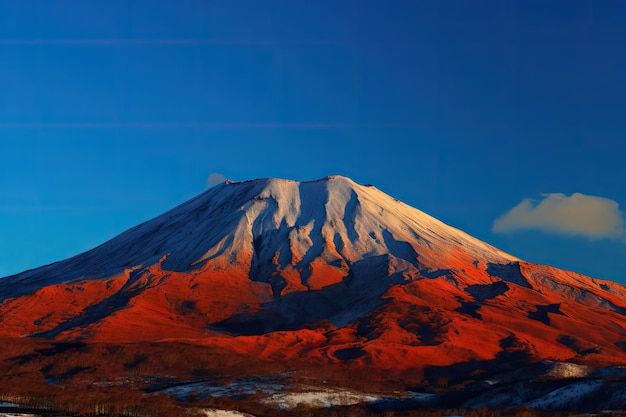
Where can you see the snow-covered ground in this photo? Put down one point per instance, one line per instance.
(8, 404)
(16, 415)
(242, 387)
(224, 413)
(319, 398)
(278, 394)
(561, 397)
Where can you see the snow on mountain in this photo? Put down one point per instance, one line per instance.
(567, 396)
(268, 225)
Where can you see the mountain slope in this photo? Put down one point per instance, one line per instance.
(325, 273)
(333, 219)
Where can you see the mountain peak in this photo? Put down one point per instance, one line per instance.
(277, 182)
(278, 223)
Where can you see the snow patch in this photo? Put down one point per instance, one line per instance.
(225, 413)
(319, 399)
(561, 370)
(17, 415)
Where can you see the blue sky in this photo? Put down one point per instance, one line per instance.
(112, 112)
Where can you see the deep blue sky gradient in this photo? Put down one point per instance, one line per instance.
(112, 112)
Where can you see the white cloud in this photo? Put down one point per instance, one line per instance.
(215, 179)
(579, 214)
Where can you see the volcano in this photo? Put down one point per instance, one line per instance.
(324, 278)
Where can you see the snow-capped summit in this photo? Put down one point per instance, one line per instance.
(267, 225)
